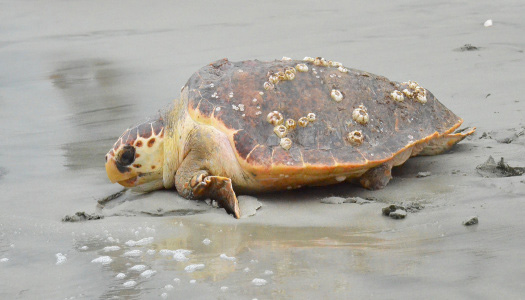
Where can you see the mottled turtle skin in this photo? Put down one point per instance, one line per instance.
(219, 127)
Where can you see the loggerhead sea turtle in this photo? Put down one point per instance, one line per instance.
(255, 126)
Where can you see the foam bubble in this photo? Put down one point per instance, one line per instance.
(180, 254)
(259, 281)
(138, 268)
(120, 276)
(130, 283)
(194, 267)
(61, 258)
(142, 242)
(5, 259)
(165, 252)
(268, 272)
(168, 287)
(206, 241)
(133, 253)
(105, 260)
(111, 248)
(226, 257)
(148, 273)
(180, 257)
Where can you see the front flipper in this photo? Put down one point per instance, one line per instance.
(216, 188)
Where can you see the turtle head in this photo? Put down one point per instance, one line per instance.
(136, 159)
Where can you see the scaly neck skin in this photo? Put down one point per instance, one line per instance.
(177, 128)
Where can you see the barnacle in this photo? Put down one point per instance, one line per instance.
(408, 93)
(289, 75)
(319, 61)
(336, 95)
(397, 96)
(280, 131)
(268, 85)
(360, 115)
(275, 118)
(303, 122)
(355, 137)
(290, 124)
(421, 95)
(413, 85)
(302, 68)
(286, 143)
(280, 75)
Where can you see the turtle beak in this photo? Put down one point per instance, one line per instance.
(123, 175)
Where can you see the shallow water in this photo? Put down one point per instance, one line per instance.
(74, 75)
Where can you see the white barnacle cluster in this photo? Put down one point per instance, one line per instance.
(276, 119)
(282, 128)
(360, 115)
(275, 77)
(355, 137)
(336, 95)
(415, 91)
(239, 107)
(342, 69)
(304, 121)
(309, 59)
(320, 61)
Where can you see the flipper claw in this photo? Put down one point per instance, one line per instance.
(217, 188)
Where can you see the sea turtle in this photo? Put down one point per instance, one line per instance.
(256, 126)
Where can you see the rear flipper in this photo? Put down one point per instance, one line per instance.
(445, 142)
(377, 178)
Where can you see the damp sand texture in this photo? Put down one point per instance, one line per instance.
(71, 81)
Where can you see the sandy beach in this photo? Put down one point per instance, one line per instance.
(74, 75)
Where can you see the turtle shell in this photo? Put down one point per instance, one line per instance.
(236, 97)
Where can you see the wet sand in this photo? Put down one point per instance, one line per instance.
(74, 75)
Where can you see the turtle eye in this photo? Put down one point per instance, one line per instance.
(127, 155)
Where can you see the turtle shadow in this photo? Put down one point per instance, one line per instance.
(155, 204)
(126, 203)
